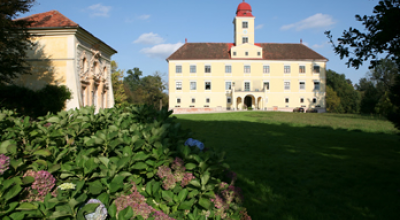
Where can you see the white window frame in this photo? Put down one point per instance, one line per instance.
(300, 66)
(244, 88)
(286, 69)
(230, 68)
(319, 86)
(266, 69)
(191, 85)
(247, 69)
(245, 40)
(193, 67)
(230, 85)
(285, 84)
(300, 82)
(176, 85)
(207, 68)
(319, 69)
(178, 69)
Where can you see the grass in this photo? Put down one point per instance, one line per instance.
(295, 166)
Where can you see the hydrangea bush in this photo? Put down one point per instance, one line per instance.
(122, 163)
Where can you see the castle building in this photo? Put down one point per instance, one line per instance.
(207, 77)
(67, 54)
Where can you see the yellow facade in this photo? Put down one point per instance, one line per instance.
(248, 77)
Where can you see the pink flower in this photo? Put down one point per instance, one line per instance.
(178, 164)
(163, 171)
(43, 184)
(4, 163)
(169, 182)
(186, 179)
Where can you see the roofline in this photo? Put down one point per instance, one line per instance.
(324, 60)
(78, 27)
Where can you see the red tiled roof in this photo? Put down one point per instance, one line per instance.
(50, 19)
(221, 51)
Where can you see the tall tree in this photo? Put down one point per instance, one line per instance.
(117, 75)
(332, 101)
(380, 37)
(14, 39)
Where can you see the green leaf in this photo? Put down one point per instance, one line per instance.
(16, 163)
(195, 183)
(11, 207)
(193, 193)
(205, 177)
(190, 166)
(140, 156)
(28, 179)
(186, 151)
(96, 187)
(54, 168)
(167, 195)
(42, 152)
(54, 119)
(90, 165)
(139, 166)
(149, 188)
(104, 160)
(122, 162)
(104, 197)
(186, 205)
(17, 216)
(205, 203)
(112, 210)
(5, 144)
(12, 192)
(156, 187)
(182, 195)
(87, 209)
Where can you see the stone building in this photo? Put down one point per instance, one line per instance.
(242, 74)
(67, 54)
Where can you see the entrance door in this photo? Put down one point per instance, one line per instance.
(248, 101)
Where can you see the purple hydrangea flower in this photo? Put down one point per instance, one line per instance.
(4, 163)
(186, 179)
(164, 171)
(178, 164)
(135, 200)
(43, 184)
(100, 213)
(169, 182)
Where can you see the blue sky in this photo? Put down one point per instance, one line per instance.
(146, 32)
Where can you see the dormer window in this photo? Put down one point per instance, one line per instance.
(245, 24)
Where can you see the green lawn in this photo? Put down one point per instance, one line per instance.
(296, 166)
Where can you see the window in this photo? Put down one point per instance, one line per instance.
(192, 85)
(286, 69)
(258, 53)
(207, 69)
(229, 100)
(208, 85)
(178, 100)
(302, 69)
(246, 53)
(207, 100)
(178, 85)
(301, 100)
(302, 85)
(316, 69)
(234, 53)
(192, 106)
(245, 24)
(266, 85)
(192, 69)
(245, 40)
(287, 85)
(286, 100)
(206, 106)
(247, 69)
(265, 69)
(193, 100)
(178, 69)
(228, 85)
(314, 100)
(228, 69)
(247, 86)
(316, 86)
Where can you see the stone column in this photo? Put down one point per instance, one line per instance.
(233, 98)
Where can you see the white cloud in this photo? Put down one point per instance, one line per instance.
(149, 38)
(317, 46)
(316, 21)
(259, 26)
(305, 43)
(99, 10)
(144, 17)
(162, 50)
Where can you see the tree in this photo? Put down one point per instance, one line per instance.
(117, 75)
(349, 97)
(332, 101)
(381, 37)
(14, 39)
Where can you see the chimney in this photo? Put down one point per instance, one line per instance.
(301, 41)
(185, 40)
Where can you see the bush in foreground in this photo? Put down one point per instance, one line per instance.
(122, 163)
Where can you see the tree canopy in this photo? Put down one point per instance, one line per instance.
(14, 39)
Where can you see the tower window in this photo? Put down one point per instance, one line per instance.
(258, 53)
(245, 24)
(234, 53)
(245, 40)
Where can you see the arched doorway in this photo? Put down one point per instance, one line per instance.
(248, 101)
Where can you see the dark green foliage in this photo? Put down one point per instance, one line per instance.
(34, 103)
(349, 98)
(14, 39)
(395, 99)
(108, 156)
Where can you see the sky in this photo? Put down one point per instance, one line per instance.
(146, 32)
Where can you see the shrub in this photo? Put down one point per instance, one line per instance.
(122, 163)
(34, 103)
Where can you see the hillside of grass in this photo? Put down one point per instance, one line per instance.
(295, 166)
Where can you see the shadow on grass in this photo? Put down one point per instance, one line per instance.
(309, 172)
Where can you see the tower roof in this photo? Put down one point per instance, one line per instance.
(244, 10)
